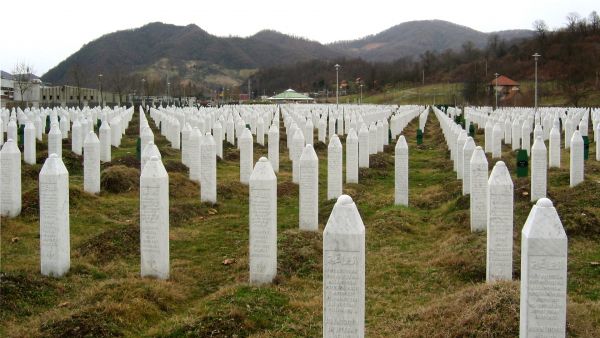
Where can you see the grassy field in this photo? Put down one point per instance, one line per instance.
(550, 95)
(425, 270)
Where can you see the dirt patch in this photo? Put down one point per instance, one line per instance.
(73, 162)
(287, 189)
(130, 161)
(393, 222)
(578, 211)
(31, 172)
(119, 179)
(20, 293)
(181, 187)
(300, 253)
(485, 310)
(115, 243)
(320, 146)
(246, 311)
(463, 202)
(182, 212)
(175, 166)
(89, 323)
(230, 152)
(30, 205)
(218, 326)
(325, 208)
(232, 190)
(434, 196)
(381, 161)
(463, 256)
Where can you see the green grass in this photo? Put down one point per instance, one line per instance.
(425, 270)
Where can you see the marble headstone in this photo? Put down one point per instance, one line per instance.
(543, 273)
(55, 247)
(344, 271)
(263, 223)
(154, 220)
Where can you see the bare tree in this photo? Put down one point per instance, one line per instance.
(573, 19)
(22, 78)
(119, 82)
(77, 76)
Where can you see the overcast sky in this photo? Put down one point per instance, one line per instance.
(43, 33)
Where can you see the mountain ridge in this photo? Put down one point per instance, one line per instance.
(157, 49)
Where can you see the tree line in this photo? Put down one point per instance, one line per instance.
(570, 56)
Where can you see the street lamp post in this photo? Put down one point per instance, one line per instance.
(101, 98)
(361, 87)
(337, 85)
(496, 89)
(535, 57)
(143, 93)
(168, 93)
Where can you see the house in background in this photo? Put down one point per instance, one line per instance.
(506, 87)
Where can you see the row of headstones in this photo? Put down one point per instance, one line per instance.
(541, 159)
(515, 127)
(94, 150)
(543, 240)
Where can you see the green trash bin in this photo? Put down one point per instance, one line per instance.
(586, 148)
(419, 136)
(47, 124)
(138, 149)
(522, 163)
(21, 137)
(471, 130)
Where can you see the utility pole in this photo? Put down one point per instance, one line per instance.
(337, 85)
(535, 57)
(496, 89)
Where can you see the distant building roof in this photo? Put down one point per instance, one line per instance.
(503, 81)
(5, 75)
(290, 95)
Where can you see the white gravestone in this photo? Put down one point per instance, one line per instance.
(91, 164)
(539, 169)
(458, 160)
(526, 138)
(273, 145)
(246, 155)
(479, 190)
(363, 147)
(352, 157)
(208, 169)
(576, 161)
(185, 144)
(218, 137)
(334, 168)
(194, 155)
(154, 220)
(10, 179)
(309, 189)
(260, 132)
(76, 138)
(543, 273)
(344, 271)
(499, 224)
(296, 152)
(554, 144)
(497, 141)
(55, 141)
(372, 139)
(401, 171)
(150, 150)
(467, 153)
(55, 247)
(263, 223)
(29, 143)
